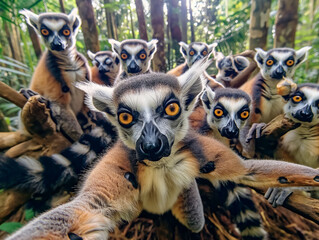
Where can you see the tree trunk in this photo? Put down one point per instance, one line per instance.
(191, 21)
(173, 19)
(14, 41)
(132, 23)
(286, 23)
(259, 23)
(141, 19)
(111, 29)
(35, 41)
(91, 38)
(62, 9)
(184, 20)
(157, 18)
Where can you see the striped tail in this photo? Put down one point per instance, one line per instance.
(238, 200)
(50, 175)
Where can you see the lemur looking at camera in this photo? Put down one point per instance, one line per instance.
(155, 163)
(106, 67)
(135, 56)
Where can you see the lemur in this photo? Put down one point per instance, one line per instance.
(227, 111)
(135, 56)
(154, 164)
(300, 145)
(192, 53)
(229, 67)
(52, 177)
(105, 67)
(274, 65)
(60, 65)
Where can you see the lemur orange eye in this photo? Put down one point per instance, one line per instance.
(142, 56)
(125, 118)
(244, 114)
(66, 32)
(172, 109)
(191, 53)
(218, 112)
(290, 63)
(269, 62)
(124, 56)
(45, 32)
(296, 99)
(204, 53)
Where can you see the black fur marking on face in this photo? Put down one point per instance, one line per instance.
(283, 180)
(73, 236)
(208, 167)
(206, 100)
(132, 179)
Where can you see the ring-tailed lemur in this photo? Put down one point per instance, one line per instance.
(155, 162)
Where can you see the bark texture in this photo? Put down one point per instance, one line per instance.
(110, 23)
(86, 12)
(35, 41)
(259, 23)
(141, 19)
(286, 23)
(191, 21)
(157, 18)
(184, 20)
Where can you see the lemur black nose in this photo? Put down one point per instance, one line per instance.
(133, 67)
(230, 131)
(152, 144)
(279, 73)
(305, 114)
(56, 44)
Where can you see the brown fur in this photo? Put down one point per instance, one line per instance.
(97, 78)
(179, 70)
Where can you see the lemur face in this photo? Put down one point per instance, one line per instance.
(105, 61)
(135, 54)
(280, 62)
(227, 110)
(195, 51)
(303, 104)
(57, 30)
(150, 111)
(229, 67)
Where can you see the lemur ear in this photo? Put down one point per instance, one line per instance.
(151, 45)
(74, 20)
(241, 62)
(260, 56)
(211, 47)
(191, 83)
(91, 55)
(183, 49)
(116, 45)
(31, 18)
(207, 97)
(302, 54)
(98, 98)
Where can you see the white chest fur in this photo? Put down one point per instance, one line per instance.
(161, 185)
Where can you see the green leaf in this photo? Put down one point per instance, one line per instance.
(10, 227)
(28, 214)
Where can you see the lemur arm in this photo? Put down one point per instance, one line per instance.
(223, 164)
(106, 198)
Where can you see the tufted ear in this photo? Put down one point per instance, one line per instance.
(211, 47)
(151, 45)
(207, 98)
(31, 18)
(74, 20)
(302, 54)
(191, 83)
(260, 56)
(183, 49)
(98, 98)
(116, 46)
(241, 62)
(91, 55)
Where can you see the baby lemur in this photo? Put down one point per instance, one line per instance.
(135, 56)
(106, 67)
(155, 163)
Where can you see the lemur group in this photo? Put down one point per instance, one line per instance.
(143, 150)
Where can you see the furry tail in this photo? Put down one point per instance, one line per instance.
(48, 175)
(238, 200)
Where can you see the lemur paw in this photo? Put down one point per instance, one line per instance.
(27, 93)
(277, 196)
(255, 131)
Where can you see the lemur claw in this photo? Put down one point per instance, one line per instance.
(277, 196)
(255, 131)
(27, 93)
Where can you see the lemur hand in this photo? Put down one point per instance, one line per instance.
(255, 131)
(277, 196)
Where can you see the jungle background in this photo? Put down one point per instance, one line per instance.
(236, 25)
